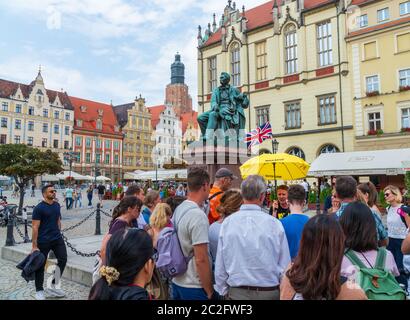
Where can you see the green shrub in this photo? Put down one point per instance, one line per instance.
(407, 184)
(382, 201)
(312, 197)
(324, 194)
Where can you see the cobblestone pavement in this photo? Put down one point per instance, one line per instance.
(14, 287)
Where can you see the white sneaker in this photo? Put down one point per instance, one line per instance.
(40, 295)
(57, 293)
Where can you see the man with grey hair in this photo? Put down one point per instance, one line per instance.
(253, 252)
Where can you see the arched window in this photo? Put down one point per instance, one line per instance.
(235, 64)
(291, 49)
(329, 148)
(295, 151)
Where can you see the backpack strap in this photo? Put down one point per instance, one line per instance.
(354, 259)
(175, 224)
(215, 195)
(381, 258)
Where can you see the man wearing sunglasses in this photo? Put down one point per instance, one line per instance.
(47, 236)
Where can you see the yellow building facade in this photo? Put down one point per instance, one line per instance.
(290, 57)
(379, 51)
(135, 120)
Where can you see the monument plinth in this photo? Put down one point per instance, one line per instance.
(216, 157)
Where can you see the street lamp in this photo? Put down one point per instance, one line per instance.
(275, 145)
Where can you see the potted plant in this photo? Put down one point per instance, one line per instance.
(404, 88)
(119, 192)
(69, 181)
(382, 202)
(312, 200)
(407, 184)
(372, 132)
(372, 93)
(405, 129)
(379, 132)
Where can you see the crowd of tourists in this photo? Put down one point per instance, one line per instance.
(217, 242)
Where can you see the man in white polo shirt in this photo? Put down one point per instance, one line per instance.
(253, 251)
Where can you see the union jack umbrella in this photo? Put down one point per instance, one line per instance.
(258, 135)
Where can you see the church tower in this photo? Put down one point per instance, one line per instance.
(176, 93)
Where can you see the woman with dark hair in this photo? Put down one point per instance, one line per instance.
(315, 274)
(128, 269)
(150, 202)
(123, 214)
(174, 202)
(370, 194)
(359, 228)
(365, 194)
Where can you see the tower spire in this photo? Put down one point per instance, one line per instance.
(214, 24)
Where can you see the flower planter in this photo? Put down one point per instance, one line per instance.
(375, 132)
(372, 94)
(405, 129)
(404, 88)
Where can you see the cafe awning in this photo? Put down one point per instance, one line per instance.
(361, 163)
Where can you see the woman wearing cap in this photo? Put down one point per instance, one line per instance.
(129, 267)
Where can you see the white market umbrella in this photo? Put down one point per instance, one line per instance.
(76, 176)
(4, 178)
(102, 178)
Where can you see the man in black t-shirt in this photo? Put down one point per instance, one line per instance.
(47, 236)
(101, 192)
(280, 208)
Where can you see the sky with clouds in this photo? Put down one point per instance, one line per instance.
(104, 50)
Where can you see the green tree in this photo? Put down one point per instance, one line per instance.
(24, 163)
(407, 184)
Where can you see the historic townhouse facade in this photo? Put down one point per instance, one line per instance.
(190, 128)
(167, 134)
(379, 51)
(135, 121)
(290, 57)
(97, 139)
(36, 116)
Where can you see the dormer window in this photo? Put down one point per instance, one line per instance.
(100, 112)
(83, 109)
(99, 124)
(79, 123)
(116, 128)
(39, 92)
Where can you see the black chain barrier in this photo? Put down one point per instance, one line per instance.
(79, 223)
(77, 252)
(69, 245)
(106, 214)
(18, 229)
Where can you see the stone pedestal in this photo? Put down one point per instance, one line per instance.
(216, 157)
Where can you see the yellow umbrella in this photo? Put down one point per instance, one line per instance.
(278, 166)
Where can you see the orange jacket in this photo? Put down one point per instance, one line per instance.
(213, 204)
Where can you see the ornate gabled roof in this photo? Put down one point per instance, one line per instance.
(9, 88)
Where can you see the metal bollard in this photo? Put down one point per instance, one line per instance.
(98, 220)
(10, 225)
(26, 237)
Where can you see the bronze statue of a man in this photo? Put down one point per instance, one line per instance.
(227, 109)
